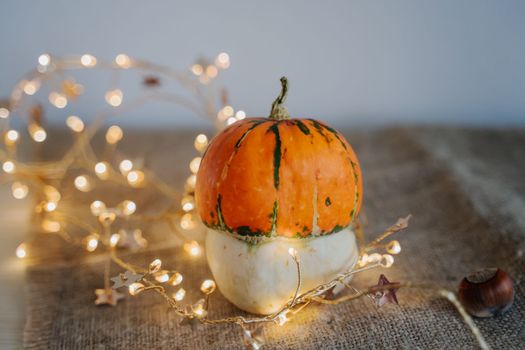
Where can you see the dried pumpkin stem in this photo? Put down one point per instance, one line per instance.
(279, 112)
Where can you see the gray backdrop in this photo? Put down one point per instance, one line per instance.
(349, 62)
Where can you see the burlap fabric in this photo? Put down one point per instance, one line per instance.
(465, 189)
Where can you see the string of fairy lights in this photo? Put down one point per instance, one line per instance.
(109, 231)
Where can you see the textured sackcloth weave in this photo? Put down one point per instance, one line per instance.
(465, 189)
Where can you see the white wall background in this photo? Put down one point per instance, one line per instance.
(349, 62)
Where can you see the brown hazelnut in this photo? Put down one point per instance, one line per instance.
(487, 292)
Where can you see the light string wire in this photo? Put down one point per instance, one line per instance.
(47, 180)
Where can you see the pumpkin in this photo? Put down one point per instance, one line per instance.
(265, 184)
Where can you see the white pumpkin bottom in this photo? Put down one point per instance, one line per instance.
(262, 278)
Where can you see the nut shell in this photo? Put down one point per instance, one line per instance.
(486, 293)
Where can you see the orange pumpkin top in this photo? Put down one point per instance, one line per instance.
(279, 176)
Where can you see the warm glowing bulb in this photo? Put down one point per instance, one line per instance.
(186, 222)
(191, 181)
(212, 71)
(97, 208)
(197, 69)
(155, 266)
(11, 137)
(44, 59)
(114, 97)
(135, 178)
(123, 61)
(230, 121)
(91, 243)
(187, 203)
(125, 166)
(21, 251)
(58, 99)
(82, 183)
(162, 277)
(51, 225)
(135, 288)
(75, 123)
(88, 60)
(50, 206)
(4, 112)
(387, 260)
(128, 207)
(282, 318)
(223, 60)
(228, 111)
(393, 247)
(176, 279)
(19, 190)
(114, 134)
(208, 286)
(31, 87)
(114, 239)
(9, 167)
(199, 310)
(38, 134)
(201, 142)
(240, 115)
(195, 164)
(179, 295)
(101, 169)
(375, 257)
(193, 248)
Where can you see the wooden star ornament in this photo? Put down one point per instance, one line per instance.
(384, 296)
(125, 279)
(107, 297)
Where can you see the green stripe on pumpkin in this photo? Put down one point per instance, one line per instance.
(276, 154)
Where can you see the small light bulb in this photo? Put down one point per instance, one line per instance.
(223, 60)
(193, 248)
(228, 111)
(187, 203)
(101, 169)
(162, 277)
(97, 208)
(197, 69)
(176, 279)
(82, 183)
(114, 239)
(195, 164)
(123, 61)
(201, 142)
(186, 222)
(11, 137)
(91, 243)
(135, 178)
(9, 167)
(114, 134)
(88, 60)
(31, 87)
(50, 206)
(211, 71)
(293, 253)
(208, 286)
(19, 190)
(4, 112)
(75, 123)
(44, 59)
(231, 121)
(37, 133)
(135, 288)
(21, 251)
(52, 194)
(127, 207)
(387, 260)
(393, 247)
(282, 318)
(191, 182)
(198, 310)
(57, 99)
(125, 166)
(375, 257)
(179, 295)
(240, 115)
(114, 97)
(155, 266)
